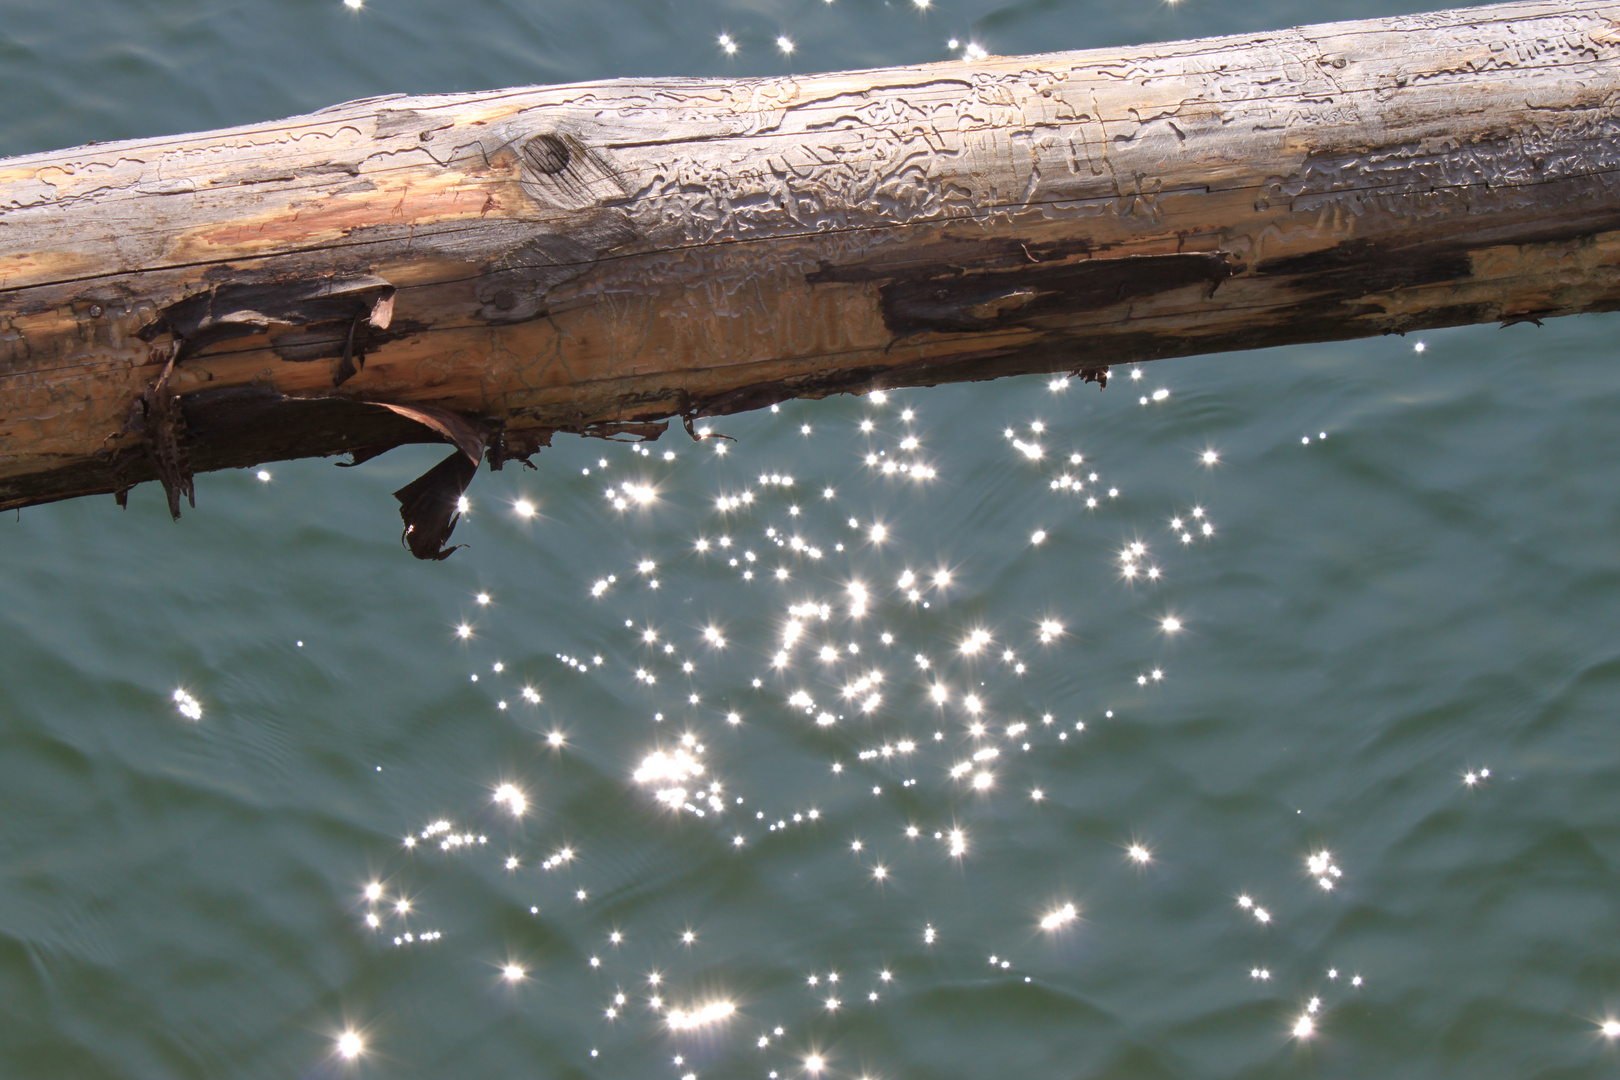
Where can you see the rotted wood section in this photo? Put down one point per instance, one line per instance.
(489, 269)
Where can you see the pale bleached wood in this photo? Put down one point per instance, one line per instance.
(576, 257)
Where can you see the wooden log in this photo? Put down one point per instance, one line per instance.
(491, 268)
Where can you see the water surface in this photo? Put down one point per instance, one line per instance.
(1409, 578)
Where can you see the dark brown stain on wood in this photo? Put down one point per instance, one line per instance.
(953, 255)
(1359, 267)
(975, 302)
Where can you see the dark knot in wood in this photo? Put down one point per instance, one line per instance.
(546, 154)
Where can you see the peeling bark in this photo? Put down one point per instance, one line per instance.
(430, 506)
(493, 268)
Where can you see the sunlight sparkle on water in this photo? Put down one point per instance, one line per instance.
(1029, 450)
(188, 706)
(1065, 914)
(887, 642)
(670, 768)
(686, 1020)
(512, 797)
(1320, 865)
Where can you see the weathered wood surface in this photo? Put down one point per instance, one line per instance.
(572, 258)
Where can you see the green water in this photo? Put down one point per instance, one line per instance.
(1426, 592)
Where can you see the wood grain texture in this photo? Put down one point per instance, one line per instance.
(597, 257)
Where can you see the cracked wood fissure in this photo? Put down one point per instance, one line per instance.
(500, 266)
